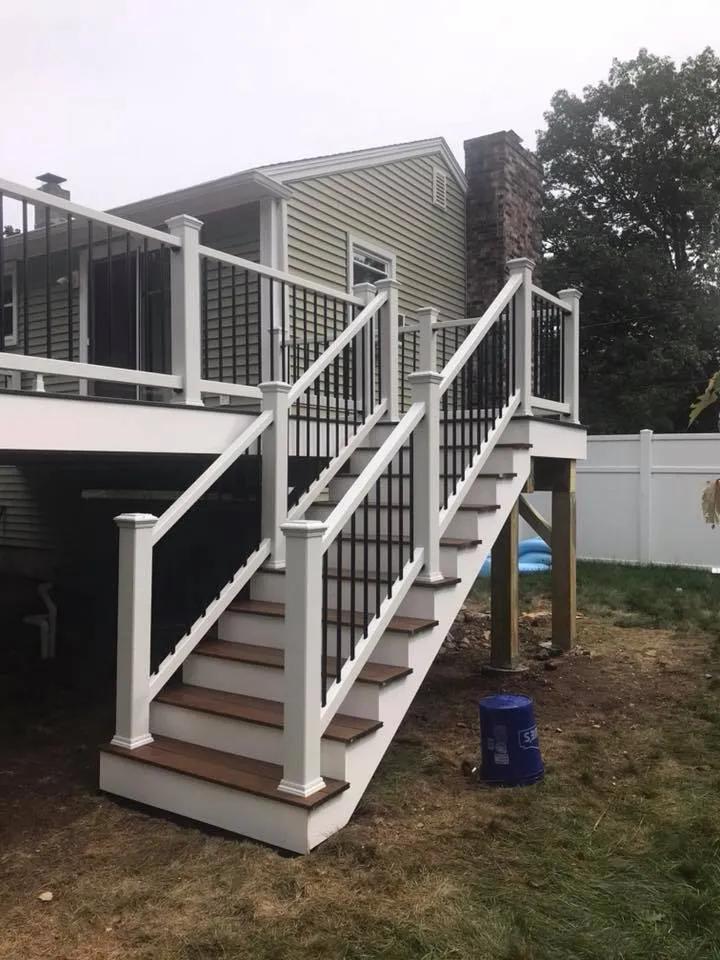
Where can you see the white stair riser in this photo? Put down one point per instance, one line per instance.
(471, 525)
(389, 522)
(252, 628)
(419, 601)
(501, 459)
(256, 680)
(448, 558)
(340, 486)
(234, 736)
(258, 818)
(505, 460)
(361, 458)
(392, 647)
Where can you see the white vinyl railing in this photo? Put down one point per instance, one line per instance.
(309, 703)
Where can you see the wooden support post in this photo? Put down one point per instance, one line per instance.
(504, 598)
(564, 598)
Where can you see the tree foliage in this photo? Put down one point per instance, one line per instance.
(632, 217)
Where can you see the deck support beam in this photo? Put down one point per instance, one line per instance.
(504, 598)
(564, 585)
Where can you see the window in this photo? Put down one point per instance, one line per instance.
(439, 188)
(368, 264)
(8, 309)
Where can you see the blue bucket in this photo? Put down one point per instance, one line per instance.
(509, 740)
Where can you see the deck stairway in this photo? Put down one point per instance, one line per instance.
(273, 711)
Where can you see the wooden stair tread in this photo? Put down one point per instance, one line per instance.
(406, 476)
(378, 674)
(268, 608)
(240, 773)
(267, 713)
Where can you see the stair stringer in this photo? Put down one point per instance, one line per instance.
(364, 757)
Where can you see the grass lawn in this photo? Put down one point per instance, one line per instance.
(615, 855)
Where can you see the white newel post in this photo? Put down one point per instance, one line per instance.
(303, 658)
(185, 307)
(135, 551)
(274, 486)
(389, 373)
(523, 332)
(645, 495)
(427, 317)
(366, 292)
(571, 347)
(426, 506)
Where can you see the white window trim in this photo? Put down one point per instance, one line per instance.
(371, 247)
(11, 271)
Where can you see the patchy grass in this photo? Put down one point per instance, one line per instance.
(615, 855)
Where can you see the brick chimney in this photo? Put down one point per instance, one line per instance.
(504, 203)
(51, 185)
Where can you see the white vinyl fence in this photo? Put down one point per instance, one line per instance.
(638, 499)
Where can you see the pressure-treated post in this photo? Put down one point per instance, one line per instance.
(426, 318)
(185, 307)
(571, 349)
(389, 372)
(132, 723)
(274, 470)
(504, 598)
(303, 658)
(562, 539)
(366, 292)
(523, 332)
(426, 476)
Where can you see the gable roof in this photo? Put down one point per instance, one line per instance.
(270, 180)
(355, 159)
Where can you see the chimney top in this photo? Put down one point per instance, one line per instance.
(50, 178)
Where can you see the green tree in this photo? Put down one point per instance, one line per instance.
(632, 217)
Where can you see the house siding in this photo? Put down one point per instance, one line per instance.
(391, 206)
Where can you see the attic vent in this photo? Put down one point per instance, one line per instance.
(439, 188)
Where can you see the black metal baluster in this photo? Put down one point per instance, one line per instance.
(271, 328)
(389, 511)
(338, 612)
(411, 486)
(26, 285)
(325, 639)
(206, 315)
(220, 315)
(366, 566)
(258, 321)
(401, 506)
(133, 327)
(246, 308)
(233, 324)
(69, 272)
(353, 576)
(48, 298)
(378, 554)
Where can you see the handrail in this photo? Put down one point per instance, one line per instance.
(88, 371)
(371, 474)
(208, 477)
(556, 301)
(337, 346)
(455, 364)
(276, 274)
(18, 192)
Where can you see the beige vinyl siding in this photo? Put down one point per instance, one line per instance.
(21, 524)
(391, 207)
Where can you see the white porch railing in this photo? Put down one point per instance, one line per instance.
(461, 411)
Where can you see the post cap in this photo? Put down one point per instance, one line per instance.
(388, 283)
(303, 529)
(572, 293)
(275, 386)
(425, 376)
(136, 520)
(183, 220)
(425, 312)
(519, 264)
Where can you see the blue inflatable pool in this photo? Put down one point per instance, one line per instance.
(534, 556)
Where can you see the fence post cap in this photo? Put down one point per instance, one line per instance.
(303, 529)
(519, 264)
(136, 520)
(183, 220)
(572, 293)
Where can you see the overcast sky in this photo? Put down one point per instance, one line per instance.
(131, 98)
